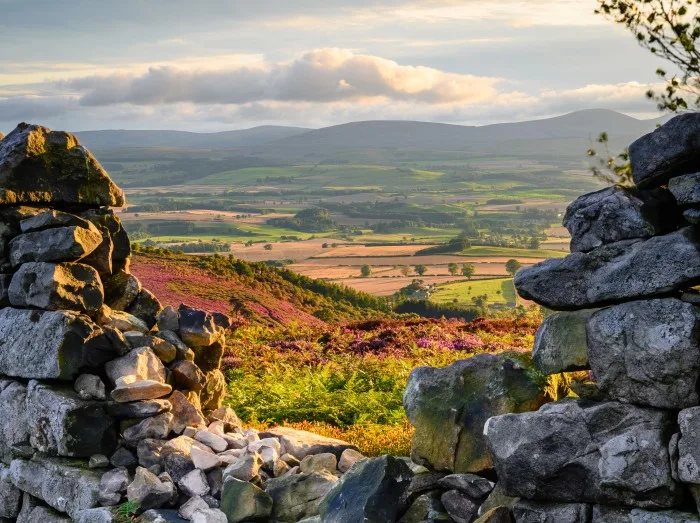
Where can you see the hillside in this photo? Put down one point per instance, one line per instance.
(251, 292)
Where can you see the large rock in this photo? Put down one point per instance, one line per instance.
(301, 443)
(449, 406)
(43, 345)
(60, 423)
(54, 245)
(149, 491)
(121, 289)
(105, 217)
(62, 286)
(371, 491)
(530, 512)
(49, 219)
(212, 396)
(686, 189)
(197, 327)
(145, 307)
(14, 429)
(243, 501)
(615, 214)
(578, 451)
(66, 485)
(38, 165)
(689, 446)
(603, 514)
(298, 496)
(614, 273)
(561, 343)
(671, 150)
(141, 363)
(647, 352)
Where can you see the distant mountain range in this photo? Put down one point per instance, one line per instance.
(300, 141)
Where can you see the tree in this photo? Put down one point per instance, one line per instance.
(421, 269)
(268, 247)
(405, 270)
(534, 243)
(453, 268)
(365, 271)
(669, 29)
(468, 270)
(513, 266)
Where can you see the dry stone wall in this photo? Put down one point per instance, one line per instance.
(111, 406)
(627, 449)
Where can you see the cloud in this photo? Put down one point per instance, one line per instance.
(322, 75)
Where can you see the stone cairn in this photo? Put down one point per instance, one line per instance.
(109, 403)
(627, 449)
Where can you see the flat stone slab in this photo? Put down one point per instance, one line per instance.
(70, 243)
(301, 443)
(38, 165)
(615, 273)
(43, 344)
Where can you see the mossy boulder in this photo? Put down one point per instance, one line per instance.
(449, 406)
(38, 165)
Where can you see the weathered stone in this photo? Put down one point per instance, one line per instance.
(138, 409)
(54, 245)
(95, 515)
(49, 219)
(90, 387)
(183, 351)
(458, 505)
(192, 505)
(197, 327)
(194, 483)
(497, 498)
(168, 319)
(186, 375)
(13, 411)
(123, 321)
(692, 215)
(348, 458)
(228, 416)
(121, 289)
(157, 427)
(204, 460)
(449, 406)
(371, 491)
(141, 363)
(530, 512)
(38, 165)
(214, 391)
(60, 423)
(243, 501)
(113, 482)
(116, 340)
(5, 280)
(425, 508)
(301, 443)
(39, 513)
(686, 189)
(618, 213)
(618, 272)
(10, 495)
(647, 352)
(298, 496)
(561, 344)
(105, 217)
(161, 516)
(244, 469)
(210, 515)
(209, 358)
(688, 450)
(62, 286)
(101, 258)
(41, 344)
(671, 150)
(325, 462)
(123, 458)
(583, 451)
(602, 514)
(186, 414)
(63, 484)
(149, 491)
(476, 487)
(217, 443)
(140, 390)
(145, 307)
(177, 458)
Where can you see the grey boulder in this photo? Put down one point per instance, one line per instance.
(57, 286)
(243, 501)
(671, 150)
(531, 512)
(617, 213)
(42, 344)
(647, 352)
(603, 514)
(449, 406)
(576, 451)
(614, 273)
(298, 496)
(561, 343)
(686, 189)
(70, 243)
(38, 165)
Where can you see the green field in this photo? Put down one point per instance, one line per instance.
(511, 252)
(499, 290)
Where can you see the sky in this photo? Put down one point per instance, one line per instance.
(213, 65)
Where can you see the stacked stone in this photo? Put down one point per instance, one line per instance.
(627, 449)
(107, 398)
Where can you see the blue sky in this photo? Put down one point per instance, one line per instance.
(215, 65)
